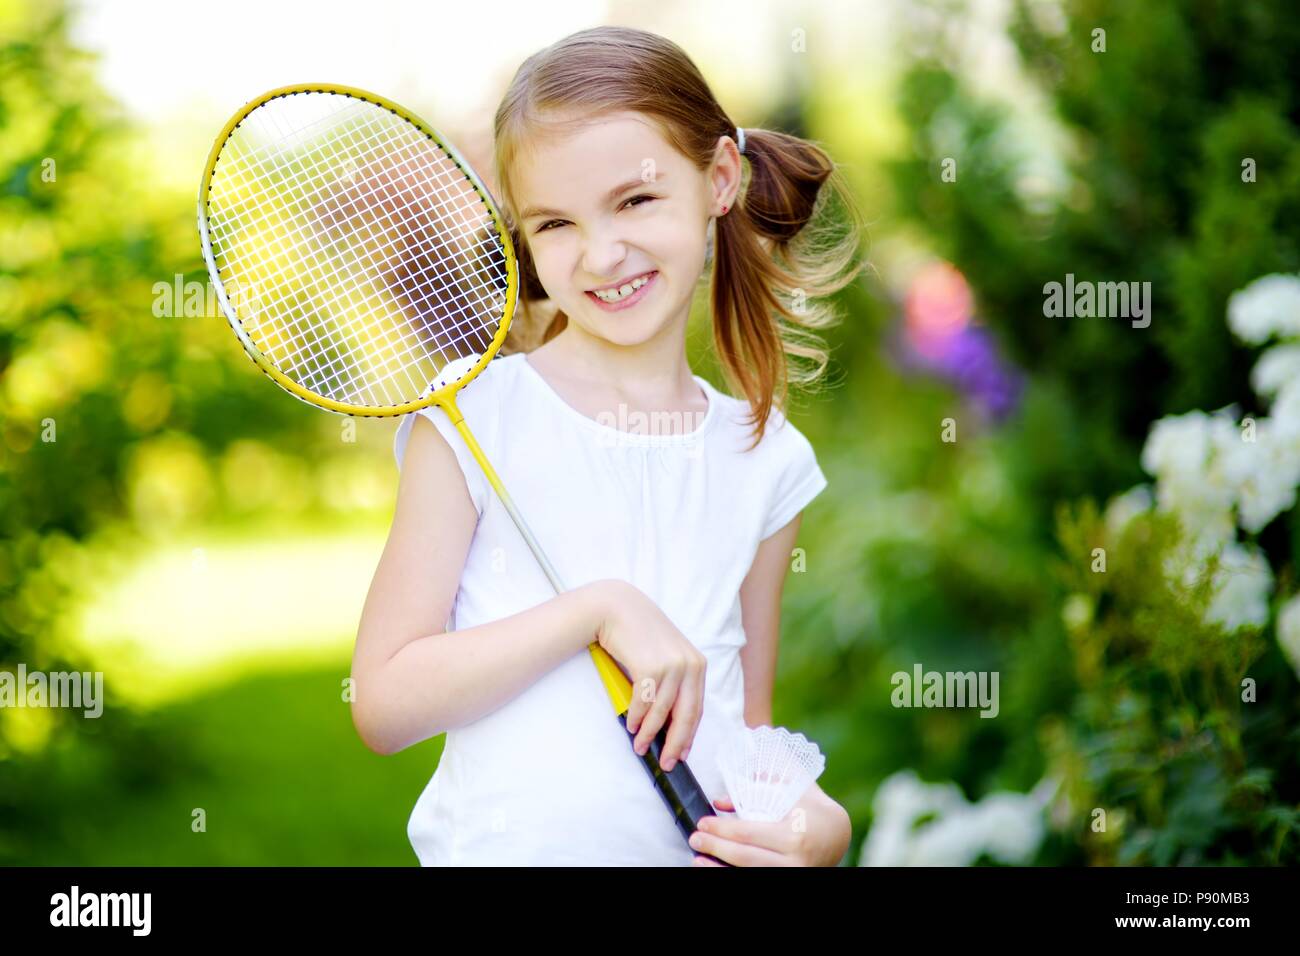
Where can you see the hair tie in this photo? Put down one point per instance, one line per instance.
(740, 139)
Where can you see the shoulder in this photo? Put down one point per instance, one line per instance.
(493, 385)
(480, 401)
(783, 434)
(781, 441)
(783, 465)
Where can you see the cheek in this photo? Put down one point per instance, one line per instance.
(684, 246)
(549, 260)
(673, 238)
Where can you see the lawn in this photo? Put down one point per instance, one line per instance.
(272, 760)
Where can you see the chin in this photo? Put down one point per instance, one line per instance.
(628, 333)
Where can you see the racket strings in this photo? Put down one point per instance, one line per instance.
(389, 223)
(290, 295)
(371, 259)
(402, 208)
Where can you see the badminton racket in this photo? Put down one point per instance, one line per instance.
(366, 269)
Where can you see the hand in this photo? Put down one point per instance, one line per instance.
(666, 670)
(819, 836)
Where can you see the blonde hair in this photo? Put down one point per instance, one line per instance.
(768, 267)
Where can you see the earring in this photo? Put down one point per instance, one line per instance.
(724, 210)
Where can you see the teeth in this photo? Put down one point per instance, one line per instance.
(615, 295)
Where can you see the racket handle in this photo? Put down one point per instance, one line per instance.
(680, 790)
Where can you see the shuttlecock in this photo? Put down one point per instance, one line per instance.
(767, 769)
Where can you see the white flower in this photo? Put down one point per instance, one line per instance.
(949, 841)
(1278, 366)
(1124, 508)
(1264, 472)
(1177, 444)
(1241, 589)
(1286, 411)
(1183, 453)
(1006, 826)
(1205, 467)
(900, 801)
(1224, 435)
(1288, 632)
(1267, 307)
(1213, 473)
(1011, 825)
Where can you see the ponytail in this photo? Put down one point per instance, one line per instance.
(770, 265)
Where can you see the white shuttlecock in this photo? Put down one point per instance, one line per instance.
(767, 769)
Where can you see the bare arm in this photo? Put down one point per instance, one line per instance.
(830, 829)
(415, 680)
(760, 611)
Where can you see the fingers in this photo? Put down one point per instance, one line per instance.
(643, 697)
(649, 728)
(750, 847)
(687, 709)
(708, 845)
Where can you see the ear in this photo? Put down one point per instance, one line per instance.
(724, 176)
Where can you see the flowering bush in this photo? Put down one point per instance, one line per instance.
(1134, 692)
(1215, 473)
(920, 824)
(1182, 745)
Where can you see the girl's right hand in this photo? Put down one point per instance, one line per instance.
(666, 670)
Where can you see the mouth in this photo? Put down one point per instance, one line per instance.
(628, 295)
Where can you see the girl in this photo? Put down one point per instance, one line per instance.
(669, 507)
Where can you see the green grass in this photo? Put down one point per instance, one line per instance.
(274, 762)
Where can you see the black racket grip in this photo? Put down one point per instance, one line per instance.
(678, 787)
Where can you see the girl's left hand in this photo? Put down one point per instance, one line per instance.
(815, 833)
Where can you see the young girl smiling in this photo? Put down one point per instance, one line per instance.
(621, 178)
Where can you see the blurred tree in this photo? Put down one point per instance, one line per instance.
(117, 402)
(1181, 131)
(1183, 165)
(75, 254)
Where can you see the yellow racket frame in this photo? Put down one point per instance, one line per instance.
(616, 684)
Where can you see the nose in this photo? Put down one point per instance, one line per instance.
(603, 251)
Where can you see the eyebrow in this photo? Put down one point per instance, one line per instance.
(533, 212)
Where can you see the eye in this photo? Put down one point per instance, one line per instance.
(547, 225)
(635, 198)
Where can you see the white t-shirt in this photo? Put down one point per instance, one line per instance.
(550, 777)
